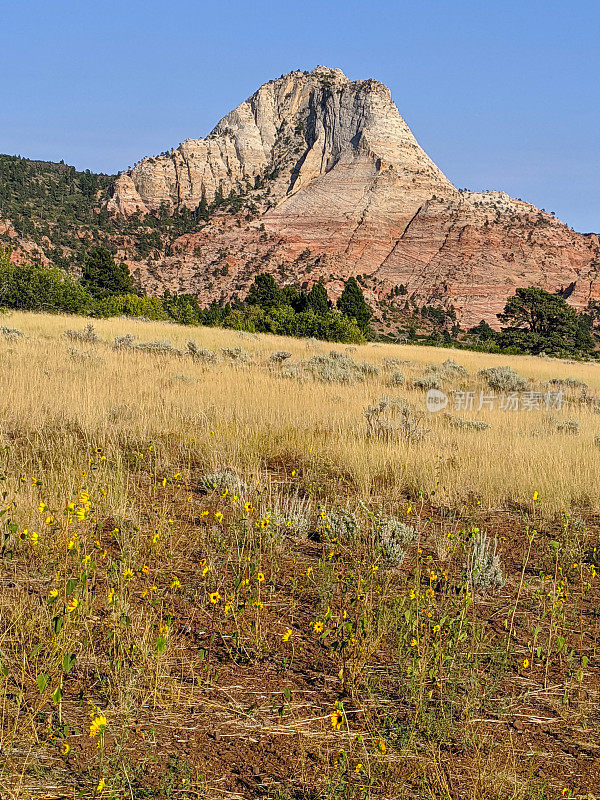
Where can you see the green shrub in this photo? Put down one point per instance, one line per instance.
(131, 305)
(32, 287)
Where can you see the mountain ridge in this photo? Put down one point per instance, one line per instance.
(317, 177)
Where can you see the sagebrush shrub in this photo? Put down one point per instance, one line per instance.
(219, 481)
(87, 335)
(341, 524)
(568, 426)
(279, 356)
(236, 354)
(503, 379)
(467, 424)
(426, 383)
(10, 333)
(571, 383)
(336, 367)
(159, 347)
(293, 514)
(201, 353)
(395, 537)
(396, 379)
(483, 563)
(124, 342)
(395, 418)
(446, 371)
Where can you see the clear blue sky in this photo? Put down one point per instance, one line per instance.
(501, 94)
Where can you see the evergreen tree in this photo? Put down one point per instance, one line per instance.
(202, 210)
(483, 330)
(352, 303)
(292, 297)
(536, 321)
(102, 277)
(264, 292)
(317, 298)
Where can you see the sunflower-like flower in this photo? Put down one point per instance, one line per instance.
(98, 726)
(336, 719)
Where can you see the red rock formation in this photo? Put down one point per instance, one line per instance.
(329, 166)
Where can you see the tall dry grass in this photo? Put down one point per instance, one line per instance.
(61, 399)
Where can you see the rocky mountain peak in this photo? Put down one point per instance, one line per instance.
(325, 165)
(300, 126)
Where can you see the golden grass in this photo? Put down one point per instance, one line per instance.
(248, 417)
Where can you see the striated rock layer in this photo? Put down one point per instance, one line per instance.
(327, 165)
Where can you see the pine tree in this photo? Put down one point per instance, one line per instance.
(352, 303)
(264, 292)
(317, 298)
(202, 210)
(102, 277)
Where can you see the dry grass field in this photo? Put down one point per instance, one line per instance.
(221, 578)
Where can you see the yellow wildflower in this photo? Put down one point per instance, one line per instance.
(260, 577)
(72, 604)
(128, 574)
(111, 596)
(66, 749)
(175, 583)
(336, 719)
(101, 785)
(98, 726)
(287, 635)
(34, 537)
(318, 627)
(214, 597)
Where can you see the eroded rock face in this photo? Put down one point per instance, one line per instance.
(331, 167)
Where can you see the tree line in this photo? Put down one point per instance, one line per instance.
(533, 321)
(106, 289)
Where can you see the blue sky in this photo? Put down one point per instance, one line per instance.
(500, 94)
